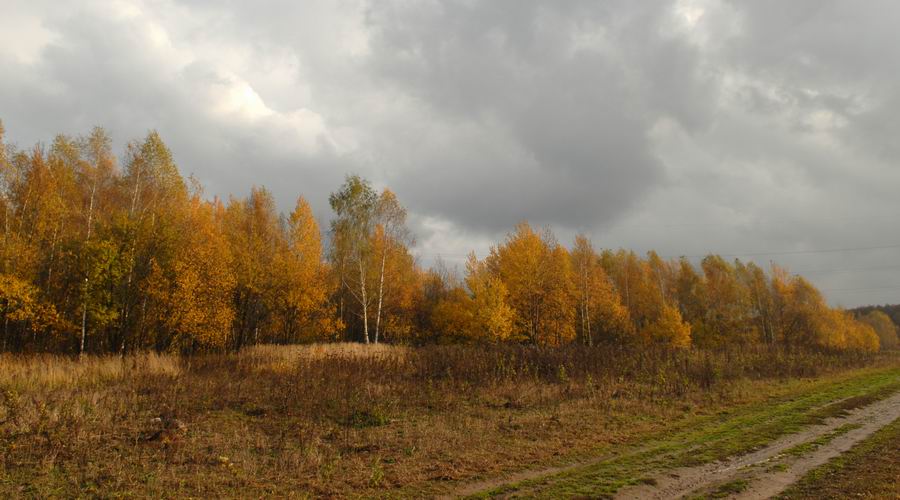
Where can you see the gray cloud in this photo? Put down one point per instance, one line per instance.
(688, 126)
(550, 103)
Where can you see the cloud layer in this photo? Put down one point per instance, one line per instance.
(691, 126)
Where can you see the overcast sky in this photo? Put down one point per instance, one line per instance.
(762, 128)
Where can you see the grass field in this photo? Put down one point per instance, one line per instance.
(351, 420)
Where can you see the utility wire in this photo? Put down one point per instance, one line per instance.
(838, 271)
(745, 254)
(791, 252)
(860, 289)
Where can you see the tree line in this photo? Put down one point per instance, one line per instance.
(107, 254)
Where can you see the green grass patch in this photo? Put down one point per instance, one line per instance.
(804, 448)
(779, 467)
(363, 419)
(725, 490)
(842, 408)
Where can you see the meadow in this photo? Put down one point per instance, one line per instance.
(355, 420)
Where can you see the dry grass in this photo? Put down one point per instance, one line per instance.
(46, 371)
(348, 419)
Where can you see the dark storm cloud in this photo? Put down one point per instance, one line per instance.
(688, 126)
(567, 90)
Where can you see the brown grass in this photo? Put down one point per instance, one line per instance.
(347, 419)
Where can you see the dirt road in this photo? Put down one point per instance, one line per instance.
(768, 471)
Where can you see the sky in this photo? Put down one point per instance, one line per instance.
(765, 130)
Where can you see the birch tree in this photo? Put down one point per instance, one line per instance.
(392, 236)
(355, 207)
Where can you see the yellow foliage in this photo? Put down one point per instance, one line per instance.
(480, 315)
(668, 329)
(19, 303)
(884, 327)
(536, 271)
(194, 297)
(601, 314)
(300, 302)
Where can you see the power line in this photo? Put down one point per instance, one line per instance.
(745, 254)
(790, 252)
(860, 289)
(836, 271)
(739, 225)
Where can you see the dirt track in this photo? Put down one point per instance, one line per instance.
(760, 474)
(768, 471)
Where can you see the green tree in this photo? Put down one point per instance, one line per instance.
(355, 207)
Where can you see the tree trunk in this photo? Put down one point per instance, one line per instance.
(380, 295)
(84, 302)
(365, 301)
(587, 315)
(83, 320)
(5, 239)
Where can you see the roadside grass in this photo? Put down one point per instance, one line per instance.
(703, 440)
(725, 490)
(809, 446)
(361, 421)
(871, 469)
(778, 462)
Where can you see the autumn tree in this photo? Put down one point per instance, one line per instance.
(859, 336)
(726, 305)
(479, 312)
(640, 294)
(690, 293)
(376, 274)
(191, 300)
(648, 291)
(391, 239)
(536, 271)
(668, 329)
(398, 282)
(600, 314)
(302, 303)
(23, 313)
(439, 283)
(255, 239)
(759, 294)
(799, 310)
(354, 206)
(96, 173)
(148, 229)
(883, 326)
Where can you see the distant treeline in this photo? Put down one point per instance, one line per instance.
(892, 311)
(884, 319)
(103, 254)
